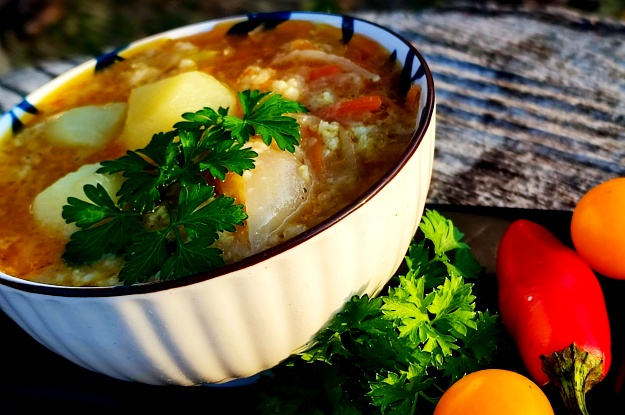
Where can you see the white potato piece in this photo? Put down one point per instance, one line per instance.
(272, 192)
(156, 107)
(47, 207)
(89, 127)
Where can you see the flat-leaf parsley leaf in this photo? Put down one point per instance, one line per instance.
(166, 186)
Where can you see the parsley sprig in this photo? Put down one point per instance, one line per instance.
(396, 353)
(166, 216)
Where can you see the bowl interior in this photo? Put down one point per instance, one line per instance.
(415, 71)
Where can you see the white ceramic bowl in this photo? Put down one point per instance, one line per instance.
(239, 320)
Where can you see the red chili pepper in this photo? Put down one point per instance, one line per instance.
(553, 306)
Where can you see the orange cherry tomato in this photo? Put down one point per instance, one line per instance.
(598, 228)
(494, 392)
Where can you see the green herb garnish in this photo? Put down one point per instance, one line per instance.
(167, 215)
(396, 353)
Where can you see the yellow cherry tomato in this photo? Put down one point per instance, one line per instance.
(494, 392)
(598, 228)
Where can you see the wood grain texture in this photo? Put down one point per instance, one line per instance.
(531, 103)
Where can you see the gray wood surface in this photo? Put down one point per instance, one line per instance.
(531, 104)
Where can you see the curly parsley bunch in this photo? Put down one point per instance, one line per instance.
(396, 353)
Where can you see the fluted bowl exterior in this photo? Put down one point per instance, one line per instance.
(240, 320)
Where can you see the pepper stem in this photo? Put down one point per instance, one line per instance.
(573, 372)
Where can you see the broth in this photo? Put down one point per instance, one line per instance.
(356, 128)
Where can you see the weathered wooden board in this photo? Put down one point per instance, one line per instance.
(531, 104)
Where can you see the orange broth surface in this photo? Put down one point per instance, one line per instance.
(264, 60)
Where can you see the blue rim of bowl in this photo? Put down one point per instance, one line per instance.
(248, 22)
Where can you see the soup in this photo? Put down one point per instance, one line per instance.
(358, 119)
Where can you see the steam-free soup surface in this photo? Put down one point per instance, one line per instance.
(356, 128)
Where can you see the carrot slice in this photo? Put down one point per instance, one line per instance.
(320, 72)
(368, 103)
(315, 156)
(412, 98)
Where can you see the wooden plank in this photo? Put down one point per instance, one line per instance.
(531, 103)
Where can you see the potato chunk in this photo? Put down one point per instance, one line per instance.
(48, 205)
(91, 126)
(272, 192)
(156, 107)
